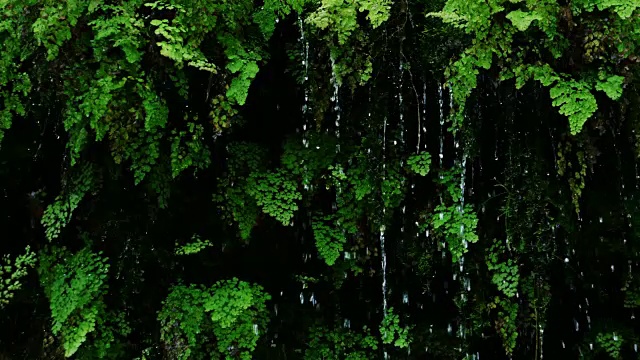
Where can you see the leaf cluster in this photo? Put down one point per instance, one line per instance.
(232, 311)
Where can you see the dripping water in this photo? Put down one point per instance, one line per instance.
(400, 103)
(441, 104)
(402, 135)
(335, 98)
(305, 62)
(382, 229)
(424, 115)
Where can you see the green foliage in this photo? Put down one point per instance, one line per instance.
(245, 64)
(188, 149)
(448, 178)
(624, 9)
(11, 272)
(521, 19)
(420, 163)
(15, 84)
(175, 45)
(340, 342)
(574, 98)
(631, 291)
(330, 240)
(576, 178)
(504, 272)
(505, 323)
(75, 285)
(340, 17)
(58, 214)
(377, 11)
(232, 197)
(392, 333)
(120, 27)
(96, 50)
(495, 39)
(611, 343)
(222, 113)
(53, 28)
(276, 193)
(457, 227)
(160, 181)
(13, 104)
(360, 179)
(339, 21)
(392, 187)
(195, 246)
(183, 320)
(610, 85)
(148, 92)
(156, 111)
(237, 207)
(233, 311)
(575, 101)
(87, 106)
(107, 343)
(238, 311)
(455, 224)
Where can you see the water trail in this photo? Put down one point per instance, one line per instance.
(541, 341)
(637, 177)
(382, 229)
(305, 107)
(336, 100)
(305, 62)
(463, 175)
(400, 103)
(441, 104)
(402, 136)
(424, 115)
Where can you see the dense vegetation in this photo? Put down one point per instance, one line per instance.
(320, 179)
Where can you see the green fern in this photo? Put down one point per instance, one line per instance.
(276, 193)
(11, 272)
(522, 20)
(58, 214)
(504, 273)
(392, 333)
(233, 311)
(330, 240)
(493, 39)
(75, 285)
(195, 246)
(420, 163)
(611, 343)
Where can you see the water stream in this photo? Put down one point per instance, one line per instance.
(383, 252)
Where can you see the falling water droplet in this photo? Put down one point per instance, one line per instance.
(441, 103)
